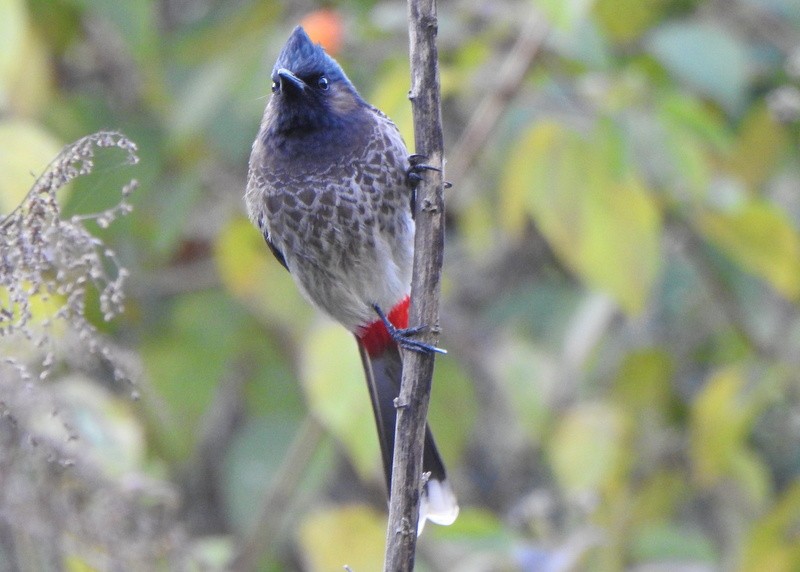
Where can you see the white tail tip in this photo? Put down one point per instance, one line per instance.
(438, 504)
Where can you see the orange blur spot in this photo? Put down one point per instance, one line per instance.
(325, 27)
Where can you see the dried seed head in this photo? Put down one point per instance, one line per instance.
(44, 257)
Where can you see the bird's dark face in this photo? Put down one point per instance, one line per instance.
(310, 91)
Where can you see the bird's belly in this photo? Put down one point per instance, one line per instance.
(345, 266)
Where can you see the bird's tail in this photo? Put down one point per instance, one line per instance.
(383, 367)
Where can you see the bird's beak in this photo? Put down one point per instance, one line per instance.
(290, 81)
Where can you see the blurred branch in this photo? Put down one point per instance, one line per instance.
(179, 279)
(505, 85)
(281, 492)
(204, 475)
(756, 21)
(412, 408)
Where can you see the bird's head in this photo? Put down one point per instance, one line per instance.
(310, 90)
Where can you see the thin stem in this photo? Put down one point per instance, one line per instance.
(401, 534)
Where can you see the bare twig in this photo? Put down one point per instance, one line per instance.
(401, 534)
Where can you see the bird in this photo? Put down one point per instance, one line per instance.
(331, 188)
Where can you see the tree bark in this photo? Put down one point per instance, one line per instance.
(412, 404)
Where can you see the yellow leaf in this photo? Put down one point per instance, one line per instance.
(519, 173)
(333, 381)
(761, 142)
(391, 96)
(658, 496)
(586, 450)
(717, 426)
(77, 564)
(477, 225)
(644, 380)
(351, 536)
(249, 272)
(752, 476)
(772, 543)
(13, 29)
(25, 151)
(25, 74)
(760, 238)
(594, 211)
(42, 307)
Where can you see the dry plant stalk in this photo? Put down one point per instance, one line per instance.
(412, 404)
(46, 258)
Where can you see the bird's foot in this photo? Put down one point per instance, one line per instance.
(403, 336)
(417, 166)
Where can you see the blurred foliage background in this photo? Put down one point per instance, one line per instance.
(620, 295)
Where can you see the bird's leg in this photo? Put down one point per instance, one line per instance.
(402, 336)
(416, 166)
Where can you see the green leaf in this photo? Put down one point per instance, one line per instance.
(594, 211)
(587, 449)
(333, 380)
(251, 464)
(529, 375)
(202, 97)
(707, 57)
(211, 552)
(186, 361)
(761, 239)
(639, 16)
(134, 20)
(671, 542)
(690, 139)
(474, 525)
(696, 120)
(565, 14)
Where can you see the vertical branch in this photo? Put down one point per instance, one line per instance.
(412, 403)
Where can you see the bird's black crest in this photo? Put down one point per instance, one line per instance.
(333, 112)
(306, 59)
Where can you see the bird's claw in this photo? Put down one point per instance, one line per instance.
(402, 336)
(415, 161)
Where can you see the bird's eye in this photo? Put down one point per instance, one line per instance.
(322, 82)
(276, 86)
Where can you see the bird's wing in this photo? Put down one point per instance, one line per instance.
(275, 251)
